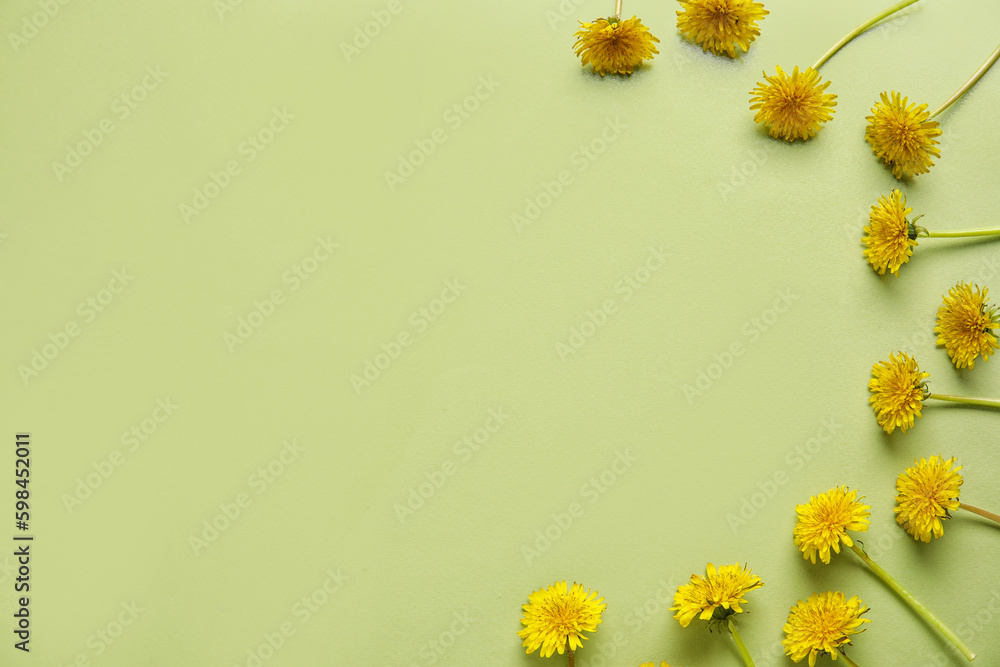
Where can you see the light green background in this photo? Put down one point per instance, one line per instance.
(743, 217)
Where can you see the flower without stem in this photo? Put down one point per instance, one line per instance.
(721, 26)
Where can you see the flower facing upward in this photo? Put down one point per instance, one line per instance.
(824, 521)
(650, 664)
(555, 619)
(927, 492)
(898, 390)
(902, 136)
(792, 106)
(717, 596)
(721, 25)
(614, 45)
(821, 625)
(965, 325)
(890, 237)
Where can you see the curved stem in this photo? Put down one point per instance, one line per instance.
(982, 513)
(914, 603)
(985, 231)
(971, 400)
(744, 653)
(968, 84)
(843, 656)
(860, 29)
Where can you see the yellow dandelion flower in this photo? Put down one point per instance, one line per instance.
(927, 493)
(822, 625)
(555, 620)
(792, 107)
(721, 25)
(890, 236)
(650, 664)
(965, 325)
(823, 522)
(902, 135)
(717, 596)
(614, 44)
(898, 390)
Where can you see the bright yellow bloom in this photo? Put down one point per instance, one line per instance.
(965, 325)
(721, 25)
(890, 237)
(614, 45)
(555, 620)
(821, 625)
(649, 664)
(824, 521)
(717, 596)
(927, 492)
(898, 390)
(792, 107)
(902, 136)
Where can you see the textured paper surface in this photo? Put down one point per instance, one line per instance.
(519, 372)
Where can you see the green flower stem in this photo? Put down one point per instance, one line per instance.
(744, 653)
(982, 513)
(843, 656)
(971, 400)
(861, 28)
(986, 231)
(913, 602)
(968, 84)
(618, 9)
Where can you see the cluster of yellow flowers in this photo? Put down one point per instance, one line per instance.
(903, 135)
(792, 106)
(555, 619)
